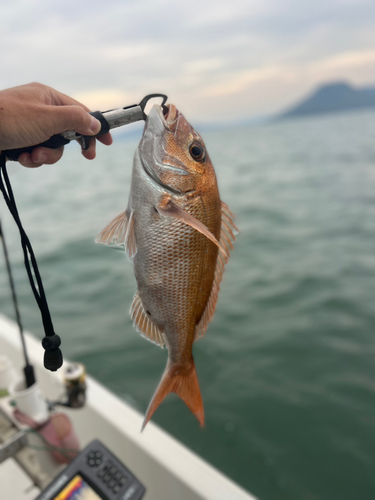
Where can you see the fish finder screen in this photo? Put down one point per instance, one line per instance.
(77, 489)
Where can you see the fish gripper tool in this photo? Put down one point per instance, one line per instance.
(109, 120)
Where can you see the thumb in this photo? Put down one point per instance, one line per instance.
(63, 118)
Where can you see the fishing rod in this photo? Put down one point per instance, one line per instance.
(28, 369)
(109, 119)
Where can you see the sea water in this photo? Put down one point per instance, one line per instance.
(286, 368)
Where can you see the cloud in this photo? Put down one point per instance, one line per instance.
(282, 84)
(350, 60)
(216, 59)
(202, 66)
(108, 98)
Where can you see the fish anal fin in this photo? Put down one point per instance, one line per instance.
(183, 380)
(226, 238)
(170, 209)
(119, 232)
(143, 323)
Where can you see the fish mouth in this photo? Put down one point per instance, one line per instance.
(155, 158)
(168, 115)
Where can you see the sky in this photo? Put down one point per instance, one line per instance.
(217, 60)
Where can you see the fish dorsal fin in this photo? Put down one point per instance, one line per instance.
(227, 236)
(171, 210)
(120, 232)
(143, 324)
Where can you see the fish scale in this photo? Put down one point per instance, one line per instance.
(179, 257)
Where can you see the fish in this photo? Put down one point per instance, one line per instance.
(178, 234)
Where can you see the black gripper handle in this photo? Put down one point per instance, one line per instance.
(54, 142)
(86, 139)
(57, 141)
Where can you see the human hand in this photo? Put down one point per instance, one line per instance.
(31, 114)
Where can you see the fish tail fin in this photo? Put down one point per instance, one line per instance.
(183, 380)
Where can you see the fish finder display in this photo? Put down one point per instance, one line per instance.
(94, 474)
(77, 489)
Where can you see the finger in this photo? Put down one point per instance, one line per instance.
(105, 139)
(62, 118)
(90, 153)
(46, 156)
(26, 161)
(59, 99)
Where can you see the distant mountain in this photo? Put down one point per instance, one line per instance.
(333, 97)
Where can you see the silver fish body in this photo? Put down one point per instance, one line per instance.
(178, 233)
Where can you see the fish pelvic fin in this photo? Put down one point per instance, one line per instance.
(119, 232)
(181, 379)
(227, 236)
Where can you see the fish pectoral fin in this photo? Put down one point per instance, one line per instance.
(143, 323)
(172, 210)
(120, 232)
(114, 232)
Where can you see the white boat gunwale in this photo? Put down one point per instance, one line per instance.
(168, 469)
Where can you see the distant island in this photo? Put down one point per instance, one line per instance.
(331, 98)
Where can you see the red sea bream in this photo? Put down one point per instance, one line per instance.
(178, 234)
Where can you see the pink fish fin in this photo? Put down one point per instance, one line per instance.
(130, 241)
(227, 233)
(226, 238)
(172, 210)
(120, 232)
(143, 323)
(183, 380)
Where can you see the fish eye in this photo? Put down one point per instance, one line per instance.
(197, 151)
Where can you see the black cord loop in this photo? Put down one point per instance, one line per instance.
(51, 342)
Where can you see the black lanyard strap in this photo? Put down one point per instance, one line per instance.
(51, 342)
